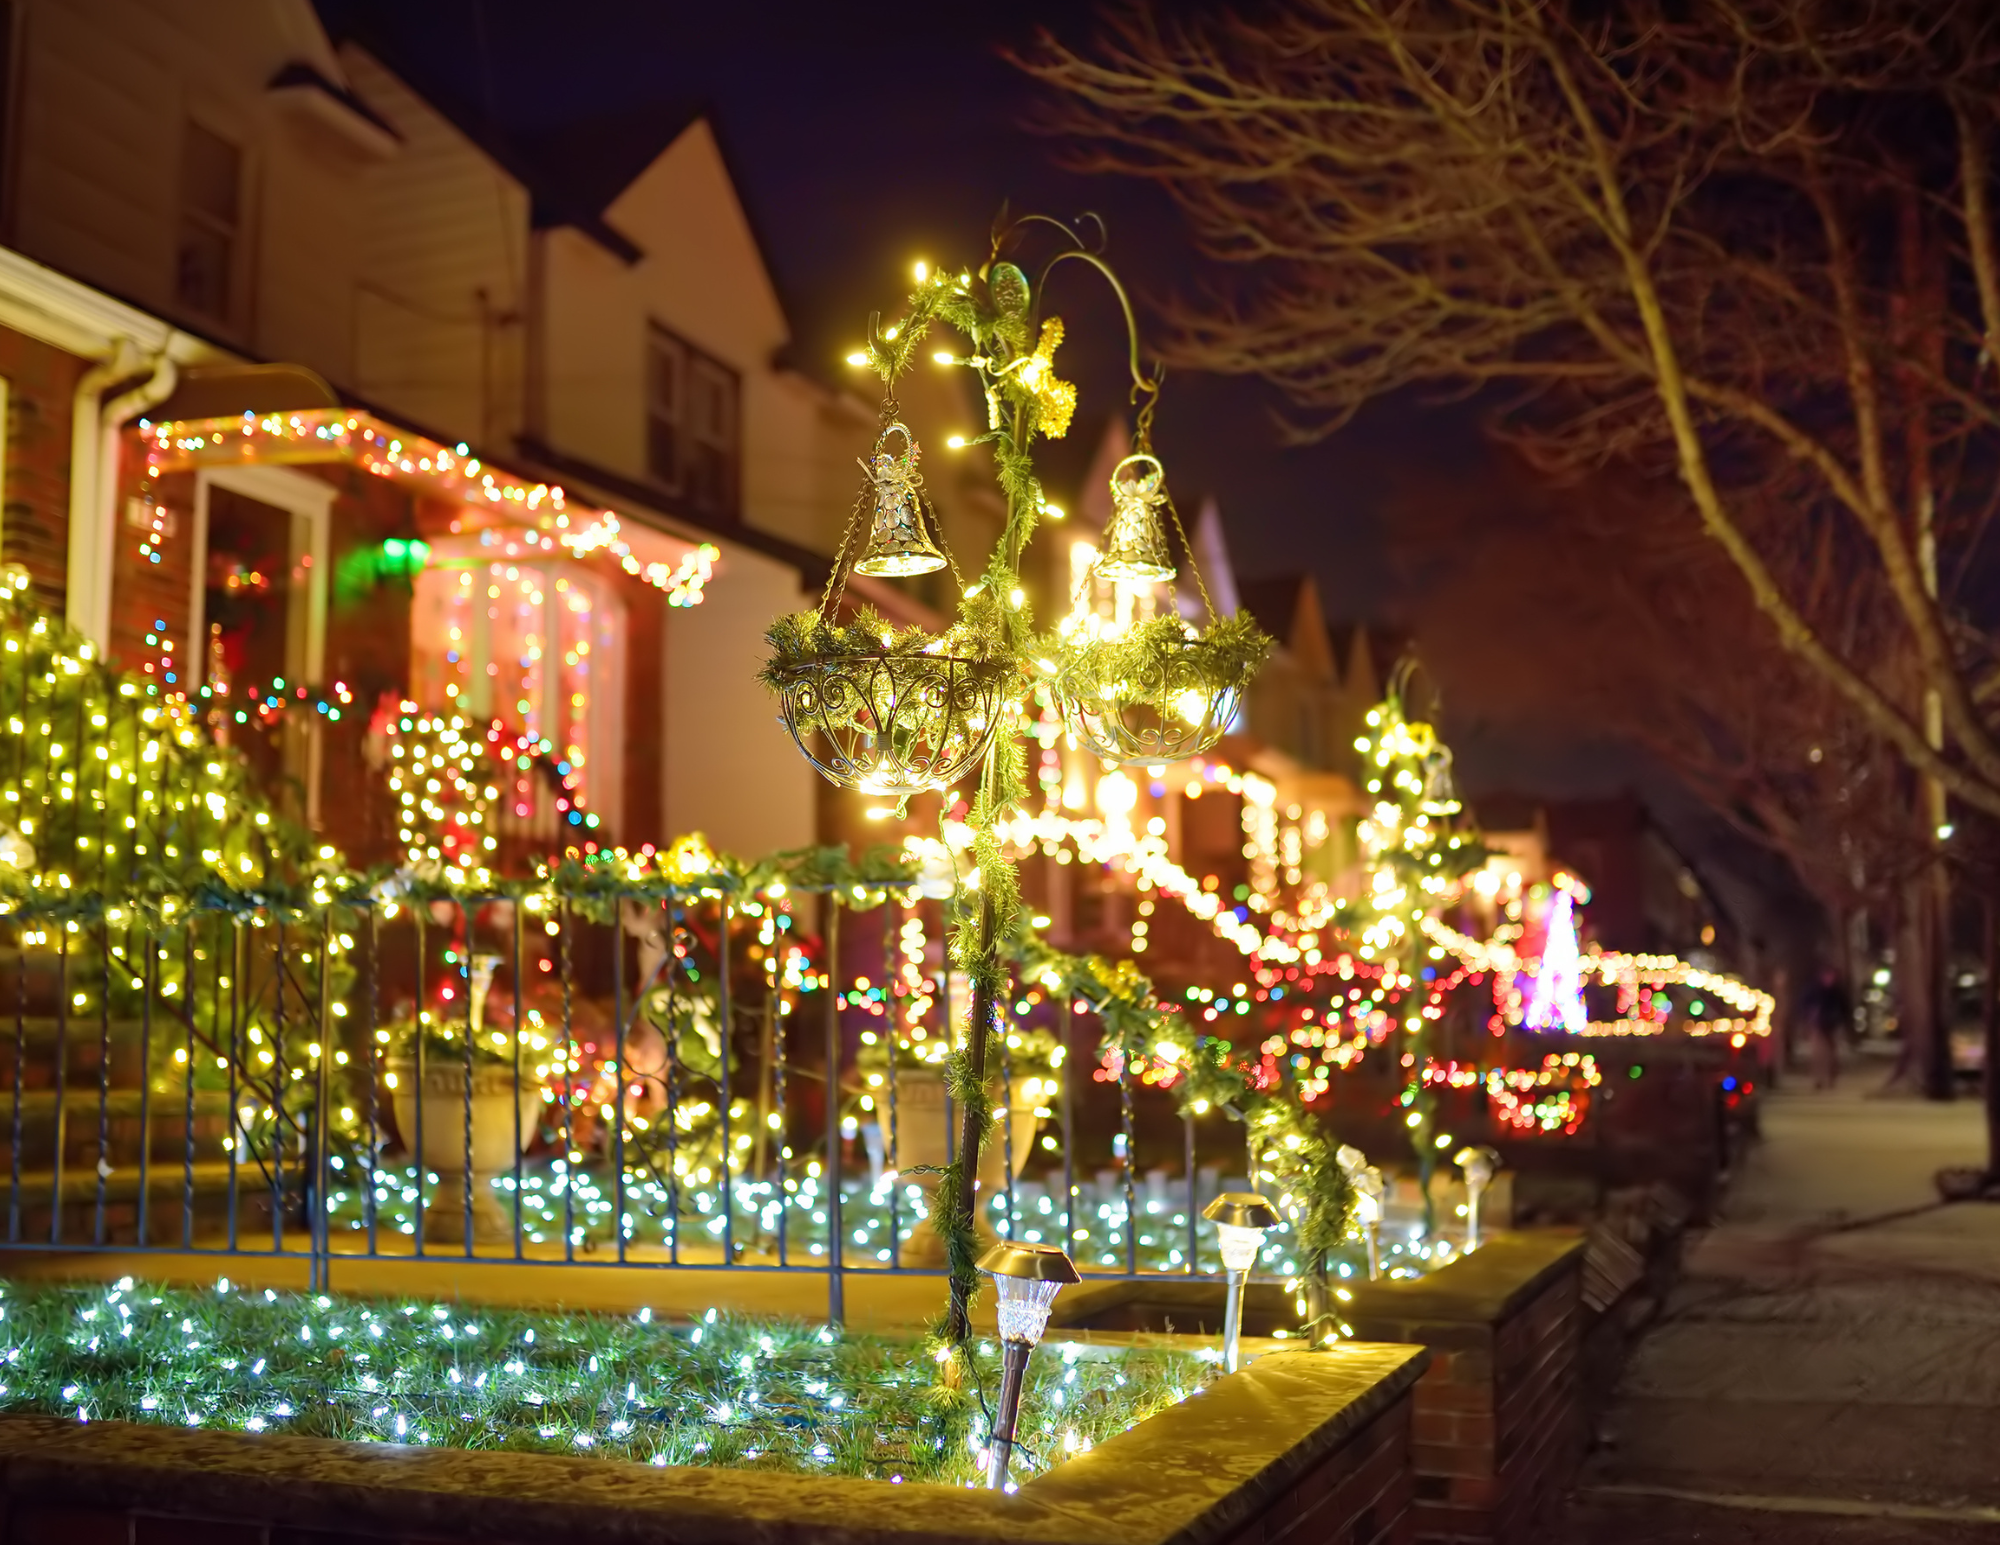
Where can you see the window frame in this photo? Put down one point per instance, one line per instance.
(189, 216)
(690, 364)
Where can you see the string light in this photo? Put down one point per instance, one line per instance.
(717, 1390)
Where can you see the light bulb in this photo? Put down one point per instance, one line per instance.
(1239, 1246)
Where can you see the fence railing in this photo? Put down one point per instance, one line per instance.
(749, 1081)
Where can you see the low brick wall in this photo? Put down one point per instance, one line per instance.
(1499, 1414)
(1303, 1448)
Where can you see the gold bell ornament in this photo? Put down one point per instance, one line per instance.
(899, 540)
(1136, 545)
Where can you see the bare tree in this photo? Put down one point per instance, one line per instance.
(1746, 244)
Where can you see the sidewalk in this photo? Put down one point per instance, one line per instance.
(1829, 1366)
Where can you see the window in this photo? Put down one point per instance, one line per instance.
(692, 439)
(211, 212)
(539, 645)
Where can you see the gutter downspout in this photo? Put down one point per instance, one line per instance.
(117, 413)
(84, 432)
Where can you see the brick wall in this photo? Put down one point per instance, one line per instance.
(1498, 1427)
(1300, 1448)
(1360, 1494)
(34, 524)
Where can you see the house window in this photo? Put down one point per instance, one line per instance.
(211, 214)
(538, 645)
(692, 435)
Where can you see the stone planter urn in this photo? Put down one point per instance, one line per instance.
(495, 1101)
(920, 1140)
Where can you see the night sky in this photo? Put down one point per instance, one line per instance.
(858, 147)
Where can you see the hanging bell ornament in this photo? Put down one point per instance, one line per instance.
(1136, 545)
(899, 542)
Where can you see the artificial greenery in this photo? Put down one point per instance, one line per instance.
(761, 1393)
(808, 638)
(1285, 1144)
(1415, 847)
(1154, 661)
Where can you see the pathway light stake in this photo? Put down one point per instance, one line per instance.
(1479, 1165)
(899, 710)
(1368, 1189)
(1027, 1279)
(1241, 1219)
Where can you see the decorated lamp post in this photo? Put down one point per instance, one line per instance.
(898, 711)
(1027, 1279)
(1241, 1219)
(1413, 855)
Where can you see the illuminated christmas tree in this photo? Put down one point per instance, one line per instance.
(1557, 1002)
(1413, 859)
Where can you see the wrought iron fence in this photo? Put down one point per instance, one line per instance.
(681, 1080)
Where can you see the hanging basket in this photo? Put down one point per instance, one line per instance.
(1157, 694)
(1177, 707)
(893, 724)
(872, 710)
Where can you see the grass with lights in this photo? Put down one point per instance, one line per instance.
(768, 1394)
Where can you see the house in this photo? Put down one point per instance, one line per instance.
(299, 333)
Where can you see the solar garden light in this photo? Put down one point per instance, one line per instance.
(1241, 1219)
(1367, 1183)
(1368, 1190)
(1027, 1279)
(1479, 1165)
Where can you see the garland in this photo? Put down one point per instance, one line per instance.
(1152, 661)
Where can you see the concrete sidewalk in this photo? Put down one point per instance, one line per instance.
(1829, 1366)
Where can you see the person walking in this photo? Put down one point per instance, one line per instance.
(1832, 1017)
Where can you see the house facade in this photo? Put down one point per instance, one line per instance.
(311, 388)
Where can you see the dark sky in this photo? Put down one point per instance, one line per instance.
(862, 144)
(864, 137)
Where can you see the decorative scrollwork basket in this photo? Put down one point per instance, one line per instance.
(893, 724)
(1177, 704)
(1156, 690)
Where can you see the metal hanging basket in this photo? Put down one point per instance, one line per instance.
(1178, 707)
(1177, 693)
(883, 719)
(894, 724)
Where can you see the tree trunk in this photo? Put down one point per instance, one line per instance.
(1989, 1008)
(1919, 973)
(1937, 918)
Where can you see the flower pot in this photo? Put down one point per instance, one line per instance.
(495, 1102)
(920, 1141)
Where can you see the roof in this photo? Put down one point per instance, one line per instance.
(572, 171)
(1273, 602)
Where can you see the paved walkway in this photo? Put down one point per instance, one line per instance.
(1829, 1366)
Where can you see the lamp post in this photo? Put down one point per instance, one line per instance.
(1026, 1279)
(1479, 1165)
(900, 711)
(1241, 1219)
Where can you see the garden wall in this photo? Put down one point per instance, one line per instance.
(1299, 1447)
(1499, 1425)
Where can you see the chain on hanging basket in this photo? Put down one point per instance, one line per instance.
(876, 708)
(1160, 689)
